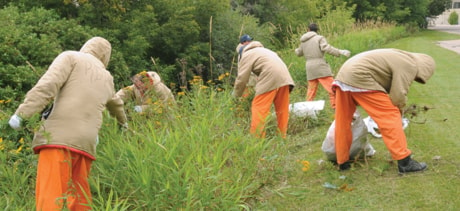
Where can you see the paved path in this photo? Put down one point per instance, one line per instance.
(453, 45)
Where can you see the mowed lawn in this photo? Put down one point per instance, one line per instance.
(375, 184)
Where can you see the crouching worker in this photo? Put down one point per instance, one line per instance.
(378, 81)
(66, 141)
(147, 88)
(274, 85)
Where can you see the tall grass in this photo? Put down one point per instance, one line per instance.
(199, 155)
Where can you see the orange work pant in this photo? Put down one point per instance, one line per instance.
(326, 82)
(260, 109)
(380, 108)
(62, 180)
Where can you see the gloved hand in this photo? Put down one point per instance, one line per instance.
(15, 122)
(234, 94)
(345, 53)
(138, 109)
(123, 127)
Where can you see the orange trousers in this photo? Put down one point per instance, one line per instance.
(260, 110)
(62, 180)
(380, 108)
(326, 82)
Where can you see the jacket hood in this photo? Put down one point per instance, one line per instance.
(425, 67)
(238, 47)
(155, 77)
(99, 48)
(253, 44)
(307, 36)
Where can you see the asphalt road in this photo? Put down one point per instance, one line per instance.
(446, 28)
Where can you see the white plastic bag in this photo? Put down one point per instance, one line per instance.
(359, 142)
(306, 108)
(372, 126)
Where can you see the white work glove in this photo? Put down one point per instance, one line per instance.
(138, 109)
(345, 53)
(15, 122)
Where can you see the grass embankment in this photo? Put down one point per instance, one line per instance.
(204, 159)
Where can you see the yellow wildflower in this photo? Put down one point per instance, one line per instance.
(221, 77)
(181, 93)
(19, 149)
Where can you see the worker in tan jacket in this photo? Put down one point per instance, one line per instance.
(378, 81)
(146, 88)
(274, 84)
(244, 41)
(313, 48)
(81, 88)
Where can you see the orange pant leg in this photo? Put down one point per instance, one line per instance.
(260, 109)
(326, 82)
(388, 118)
(56, 185)
(81, 166)
(282, 109)
(345, 107)
(311, 89)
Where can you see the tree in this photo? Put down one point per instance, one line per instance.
(437, 7)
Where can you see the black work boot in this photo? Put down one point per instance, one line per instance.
(345, 166)
(408, 165)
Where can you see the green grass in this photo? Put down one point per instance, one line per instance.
(201, 157)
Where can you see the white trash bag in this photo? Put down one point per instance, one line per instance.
(306, 108)
(359, 142)
(372, 126)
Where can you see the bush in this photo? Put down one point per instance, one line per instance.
(453, 18)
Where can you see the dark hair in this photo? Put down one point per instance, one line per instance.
(313, 27)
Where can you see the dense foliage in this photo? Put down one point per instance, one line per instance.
(179, 39)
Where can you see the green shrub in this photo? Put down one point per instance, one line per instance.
(453, 18)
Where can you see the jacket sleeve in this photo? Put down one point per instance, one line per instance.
(115, 108)
(403, 75)
(325, 47)
(299, 51)
(47, 87)
(244, 72)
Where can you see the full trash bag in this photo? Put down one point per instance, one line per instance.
(306, 108)
(373, 128)
(360, 145)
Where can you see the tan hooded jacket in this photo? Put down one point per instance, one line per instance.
(159, 90)
(388, 70)
(81, 88)
(313, 47)
(271, 71)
